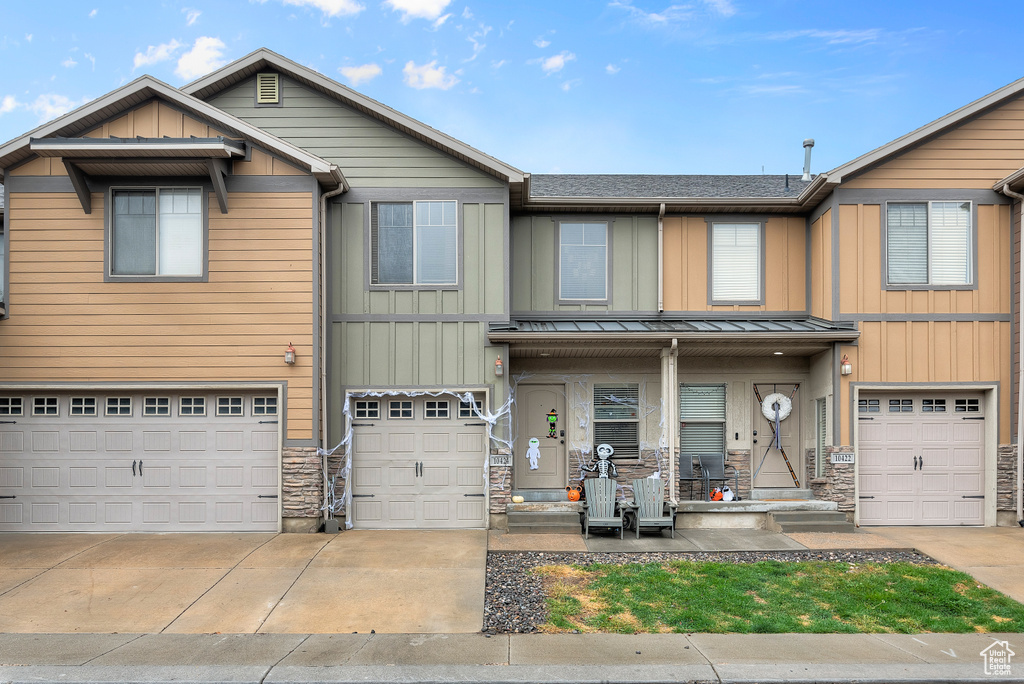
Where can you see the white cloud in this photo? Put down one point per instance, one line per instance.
(541, 43)
(723, 7)
(191, 15)
(556, 63)
(69, 63)
(671, 14)
(156, 53)
(466, 14)
(440, 21)
(428, 76)
(330, 8)
(498, 64)
(92, 15)
(205, 56)
(50, 106)
(569, 85)
(418, 9)
(360, 74)
(612, 69)
(28, 37)
(91, 59)
(836, 37)
(9, 104)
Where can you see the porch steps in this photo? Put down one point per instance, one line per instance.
(808, 521)
(544, 517)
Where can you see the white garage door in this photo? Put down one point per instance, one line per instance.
(139, 461)
(921, 459)
(417, 462)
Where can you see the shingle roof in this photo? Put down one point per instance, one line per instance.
(635, 186)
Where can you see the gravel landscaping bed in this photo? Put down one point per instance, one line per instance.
(514, 598)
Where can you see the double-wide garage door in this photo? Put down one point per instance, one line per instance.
(417, 462)
(922, 459)
(139, 461)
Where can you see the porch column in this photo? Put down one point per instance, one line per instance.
(670, 413)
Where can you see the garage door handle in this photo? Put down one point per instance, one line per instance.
(140, 467)
(267, 422)
(916, 463)
(133, 468)
(266, 496)
(8, 422)
(974, 417)
(472, 495)
(865, 497)
(362, 424)
(474, 424)
(975, 496)
(363, 496)
(8, 497)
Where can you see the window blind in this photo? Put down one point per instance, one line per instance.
(736, 261)
(616, 420)
(583, 260)
(702, 418)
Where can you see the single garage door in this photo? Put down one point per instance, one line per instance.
(139, 461)
(922, 459)
(417, 462)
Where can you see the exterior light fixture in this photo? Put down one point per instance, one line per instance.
(845, 367)
(499, 369)
(289, 354)
(777, 353)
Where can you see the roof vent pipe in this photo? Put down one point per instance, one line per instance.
(808, 144)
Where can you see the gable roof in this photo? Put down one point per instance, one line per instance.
(140, 91)
(930, 130)
(264, 60)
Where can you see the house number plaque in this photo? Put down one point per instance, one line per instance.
(501, 459)
(842, 457)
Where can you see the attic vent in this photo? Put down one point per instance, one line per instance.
(267, 89)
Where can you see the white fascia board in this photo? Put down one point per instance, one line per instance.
(926, 131)
(1013, 179)
(315, 164)
(389, 115)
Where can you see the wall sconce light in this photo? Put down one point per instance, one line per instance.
(289, 354)
(845, 367)
(499, 368)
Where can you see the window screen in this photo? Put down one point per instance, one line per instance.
(702, 419)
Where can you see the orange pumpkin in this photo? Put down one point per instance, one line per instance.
(574, 492)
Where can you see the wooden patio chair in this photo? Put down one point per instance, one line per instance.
(600, 509)
(649, 508)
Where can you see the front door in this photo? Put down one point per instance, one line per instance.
(770, 469)
(539, 459)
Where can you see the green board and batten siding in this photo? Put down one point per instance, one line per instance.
(369, 153)
(634, 265)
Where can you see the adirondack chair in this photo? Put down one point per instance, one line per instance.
(649, 508)
(599, 510)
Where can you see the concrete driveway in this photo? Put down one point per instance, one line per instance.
(357, 581)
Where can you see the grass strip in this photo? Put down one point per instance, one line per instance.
(772, 597)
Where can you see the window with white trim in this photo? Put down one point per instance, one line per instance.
(157, 232)
(400, 408)
(467, 410)
(156, 406)
(11, 406)
(929, 243)
(436, 408)
(367, 408)
(414, 243)
(701, 419)
(264, 406)
(616, 417)
(583, 260)
(44, 406)
(736, 262)
(119, 406)
(192, 406)
(83, 406)
(229, 406)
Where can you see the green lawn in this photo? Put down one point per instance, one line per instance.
(773, 597)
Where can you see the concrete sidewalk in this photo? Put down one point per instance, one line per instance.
(563, 658)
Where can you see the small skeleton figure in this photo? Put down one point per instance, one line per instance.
(533, 453)
(552, 422)
(604, 464)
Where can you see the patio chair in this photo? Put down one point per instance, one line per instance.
(712, 467)
(600, 509)
(649, 508)
(686, 474)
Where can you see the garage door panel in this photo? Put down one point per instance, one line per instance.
(402, 476)
(366, 443)
(469, 476)
(470, 443)
(118, 477)
(156, 512)
(156, 441)
(437, 511)
(470, 510)
(264, 513)
(80, 513)
(45, 477)
(117, 512)
(368, 476)
(434, 476)
(156, 477)
(435, 442)
(12, 442)
(230, 440)
(228, 512)
(12, 477)
(918, 462)
(11, 513)
(192, 512)
(192, 476)
(120, 441)
(47, 442)
(402, 509)
(81, 441)
(368, 512)
(264, 440)
(402, 442)
(194, 440)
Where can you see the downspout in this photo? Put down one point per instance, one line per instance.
(661, 259)
(342, 187)
(1020, 363)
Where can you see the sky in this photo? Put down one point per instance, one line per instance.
(555, 86)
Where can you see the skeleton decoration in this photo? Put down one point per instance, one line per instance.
(533, 453)
(604, 464)
(552, 423)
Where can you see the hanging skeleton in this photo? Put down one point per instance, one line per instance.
(603, 464)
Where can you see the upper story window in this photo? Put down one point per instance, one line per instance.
(414, 243)
(157, 232)
(583, 260)
(929, 243)
(736, 263)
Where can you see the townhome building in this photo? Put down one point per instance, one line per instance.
(263, 301)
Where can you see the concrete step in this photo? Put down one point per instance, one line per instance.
(543, 522)
(541, 494)
(809, 521)
(780, 494)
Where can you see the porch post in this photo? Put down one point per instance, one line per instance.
(670, 412)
